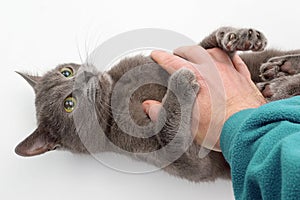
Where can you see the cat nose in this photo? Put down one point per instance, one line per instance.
(87, 75)
(84, 77)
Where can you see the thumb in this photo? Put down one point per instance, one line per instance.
(152, 108)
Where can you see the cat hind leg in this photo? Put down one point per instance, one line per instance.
(280, 88)
(280, 66)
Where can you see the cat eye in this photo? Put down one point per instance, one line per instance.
(67, 72)
(69, 104)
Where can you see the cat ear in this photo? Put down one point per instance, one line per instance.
(32, 80)
(37, 143)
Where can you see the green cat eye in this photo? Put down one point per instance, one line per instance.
(69, 104)
(67, 72)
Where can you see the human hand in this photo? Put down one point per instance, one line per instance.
(225, 88)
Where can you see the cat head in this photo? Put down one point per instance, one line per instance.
(65, 103)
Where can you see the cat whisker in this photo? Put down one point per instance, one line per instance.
(79, 53)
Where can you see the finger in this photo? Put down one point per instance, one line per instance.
(168, 61)
(172, 63)
(240, 66)
(204, 66)
(195, 54)
(152, 109)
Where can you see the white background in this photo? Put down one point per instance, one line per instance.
(35, 36)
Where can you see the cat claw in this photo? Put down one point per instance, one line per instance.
(232, 36)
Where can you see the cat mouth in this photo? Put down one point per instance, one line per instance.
(92, 87)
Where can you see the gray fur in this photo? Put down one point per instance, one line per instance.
(103, 112)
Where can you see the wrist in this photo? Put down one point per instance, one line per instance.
(243, 105)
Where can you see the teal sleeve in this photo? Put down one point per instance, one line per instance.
(262, 147)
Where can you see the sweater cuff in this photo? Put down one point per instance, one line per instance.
(230, 128)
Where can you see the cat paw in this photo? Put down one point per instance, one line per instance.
(280, 66)
(267, 89)
(280, 88)
(184, 85)
(231, 39)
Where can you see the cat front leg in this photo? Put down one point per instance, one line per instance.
(175, 118)
(280, 66)
(233, 39)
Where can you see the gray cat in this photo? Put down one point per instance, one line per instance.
(85, 111)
